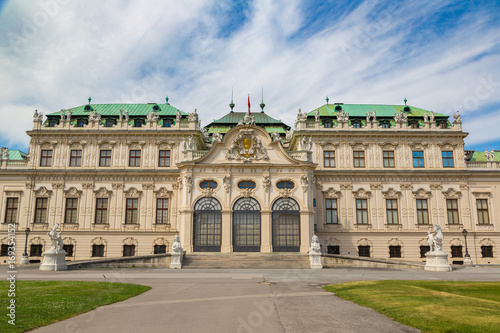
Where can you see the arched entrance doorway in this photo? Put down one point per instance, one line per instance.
(246, 225)
(286, 225)
(207, 225)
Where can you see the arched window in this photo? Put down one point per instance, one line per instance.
(167, 123)
(207, 225)
(246, 184)
(246, 225)
(208, 184)
(286, 225)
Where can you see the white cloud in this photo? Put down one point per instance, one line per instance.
(121, 51)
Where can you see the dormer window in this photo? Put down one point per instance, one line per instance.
(155, 108)
(52, 122)
(385, 124)
(327, 124)
(167, 123)
(87, 108)
(137, 123)
(110, 122)
(443, 125)
(356, 124)
(413, 124)
(81, 122)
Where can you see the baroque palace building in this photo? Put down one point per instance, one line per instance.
(369, 180)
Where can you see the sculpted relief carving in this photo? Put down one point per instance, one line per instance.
(247, 147)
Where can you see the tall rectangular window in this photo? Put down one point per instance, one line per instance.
(394, 251)
(128, 250)
(71, 210)
(418, 159)
(447, 159)
(329, 159)
(482, 211)
(164, 158)
(161, 210)
(11, 210)
(97, 250)
(69, 249)
(75, 158)
(359, 159)
(423, 250)
(101, 210)
(36, 250)
(452, 209)
(392, 211)
(131, 211)
(361, 211)
(40, 210)
(456, 251)
(331, 211)
(422, 211)
(364, 250)
(105, 158)
(388, 159)
(487, 251)
(134, 158)
(160, 249)
(4, 250)
(46, 158)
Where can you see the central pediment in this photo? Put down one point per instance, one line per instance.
(247, 144)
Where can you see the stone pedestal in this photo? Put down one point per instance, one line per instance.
(437, 261)
(315, 260)
(176, 260)
(467, 260)
(25, 260)
(54, 260)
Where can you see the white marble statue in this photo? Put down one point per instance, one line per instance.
(55, 238)
(315, 245)
(310, 144)
(276, 137)
(191, 142)
(289, 135)
(435, 239)
(457, 118)
(38, 116)
(426, 117)
(316, 115)
(432, 117)
(216, 137)
(177, 116)
(176, 245)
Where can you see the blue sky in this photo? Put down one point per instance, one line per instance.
(441, 55)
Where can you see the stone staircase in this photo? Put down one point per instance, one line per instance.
(245, 260)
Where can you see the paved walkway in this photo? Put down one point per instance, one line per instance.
(239, 300)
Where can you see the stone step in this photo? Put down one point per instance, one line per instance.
(243, 260)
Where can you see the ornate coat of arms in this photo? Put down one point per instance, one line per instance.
(246, 147)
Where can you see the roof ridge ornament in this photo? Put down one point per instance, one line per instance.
(166, 100)
(327, 99)
(231, 105)
(90, 99)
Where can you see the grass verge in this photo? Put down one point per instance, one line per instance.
(38, 303)
(431, 306)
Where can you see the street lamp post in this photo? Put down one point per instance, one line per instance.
(467, 258)
(25, 260)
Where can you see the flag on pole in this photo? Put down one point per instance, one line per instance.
(248, 103)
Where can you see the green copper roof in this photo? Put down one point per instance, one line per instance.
(220, 129)
(235, 117)
(359, 110)
(479, 156)
(272, 129)
(16, 155)
(114, 110)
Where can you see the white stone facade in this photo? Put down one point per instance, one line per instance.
(129, 201)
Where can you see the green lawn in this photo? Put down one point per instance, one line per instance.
(39, 303)
(431, 306)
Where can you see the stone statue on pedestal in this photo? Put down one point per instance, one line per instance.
(437, 260)
(54, 259)
(177, 253)
(315, 253)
